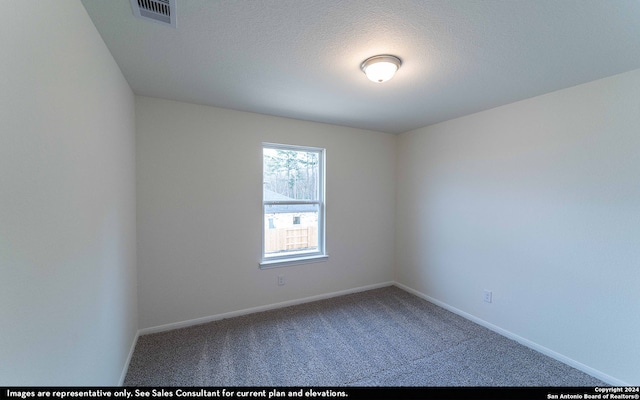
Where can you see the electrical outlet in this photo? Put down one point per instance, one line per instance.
(487, 296)
(280, 280)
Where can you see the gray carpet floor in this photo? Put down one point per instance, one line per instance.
(381, 337)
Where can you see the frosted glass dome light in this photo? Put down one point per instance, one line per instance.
(380, 68)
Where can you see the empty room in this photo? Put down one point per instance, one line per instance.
(297, 193)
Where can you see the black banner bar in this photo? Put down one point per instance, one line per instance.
(320, 393)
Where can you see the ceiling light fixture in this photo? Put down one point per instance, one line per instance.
(380, 68)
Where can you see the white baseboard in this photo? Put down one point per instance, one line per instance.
(203, 320)
(126, 364)
(526, 342)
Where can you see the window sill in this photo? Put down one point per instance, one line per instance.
(293, 261)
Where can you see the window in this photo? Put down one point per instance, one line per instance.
(293, 209)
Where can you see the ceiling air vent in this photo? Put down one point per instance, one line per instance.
(162, 11)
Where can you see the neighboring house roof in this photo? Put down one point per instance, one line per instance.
(270, 195)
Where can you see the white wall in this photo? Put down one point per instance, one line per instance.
(199, 182)
(538, 201)
(67, 200)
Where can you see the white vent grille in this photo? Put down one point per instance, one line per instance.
(161, 11)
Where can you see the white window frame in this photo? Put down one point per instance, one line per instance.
(307, 257)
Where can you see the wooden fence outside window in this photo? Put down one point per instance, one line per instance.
(291, 238)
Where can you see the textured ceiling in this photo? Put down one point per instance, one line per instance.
(301, 58)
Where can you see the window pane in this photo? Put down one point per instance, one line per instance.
(288, 237)
(290, 175)
(293, 204)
